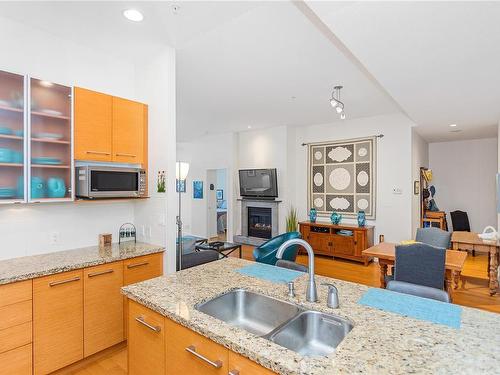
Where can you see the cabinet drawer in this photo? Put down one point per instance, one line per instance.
(15, 292)
(103, 307)
(16, 361)
(57, 321)
(146, 344)
(193, 354)
(14, 337)
(142, 268)
(239, 365)
(15, 314)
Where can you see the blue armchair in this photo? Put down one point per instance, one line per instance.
(266, 253)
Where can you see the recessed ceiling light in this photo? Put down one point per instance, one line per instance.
(46, 84)
(133, 15)
(453, 125)
(249, 127)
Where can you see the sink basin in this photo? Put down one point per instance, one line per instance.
(250, 311)
(312, 333)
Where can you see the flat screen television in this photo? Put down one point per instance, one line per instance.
(258, 183)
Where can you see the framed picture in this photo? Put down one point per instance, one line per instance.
(198, 189)
(219, 194)
(180, 186)
(416, 187)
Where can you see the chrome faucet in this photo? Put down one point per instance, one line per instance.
(311, 292)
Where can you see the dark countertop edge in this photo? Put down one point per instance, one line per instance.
(237, 348)
(55, 271)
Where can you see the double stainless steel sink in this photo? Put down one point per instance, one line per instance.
(307, 332)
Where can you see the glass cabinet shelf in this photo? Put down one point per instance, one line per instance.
(36, 135)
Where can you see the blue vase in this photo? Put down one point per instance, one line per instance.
(361, 218)
(313, 214)
(335, 218)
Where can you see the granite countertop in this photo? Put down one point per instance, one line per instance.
(380, 342)
(29, 267)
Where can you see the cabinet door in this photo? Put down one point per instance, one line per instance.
(50, 154)
(146, 343)
(12, 133)
(239, 365)
(103, 307)
(142, 268)
(93, 125)
(359, 243)
(128, 131)
(57, 321)
(16, 361)
(343, 245)
(321, 243)
(193, 354)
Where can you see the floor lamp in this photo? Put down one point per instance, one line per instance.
(181, 172)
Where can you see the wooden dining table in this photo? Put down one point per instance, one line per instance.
(471, 241)
(386, 254)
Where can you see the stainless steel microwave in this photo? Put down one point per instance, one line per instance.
(110, 182)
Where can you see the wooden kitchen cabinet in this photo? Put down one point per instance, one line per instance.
(103, 307)
(142, 268)
(93, 125)
(239, 365)
(57, 321)
(190, 353)
(17, 361)
(146, 344)
(128, 131)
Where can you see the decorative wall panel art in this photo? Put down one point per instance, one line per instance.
(341, 177)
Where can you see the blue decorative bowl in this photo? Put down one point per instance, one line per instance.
(38, 187)
(56, 188)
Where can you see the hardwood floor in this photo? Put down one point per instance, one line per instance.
(474, 294)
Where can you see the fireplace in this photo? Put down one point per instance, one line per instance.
(260, 222)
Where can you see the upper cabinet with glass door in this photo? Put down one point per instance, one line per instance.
(50, 141)
(12, 144)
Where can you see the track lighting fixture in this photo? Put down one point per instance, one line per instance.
(336, 103)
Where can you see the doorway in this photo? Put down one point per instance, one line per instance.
(217, 210)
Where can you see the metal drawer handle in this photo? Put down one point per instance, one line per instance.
(141, 320)
(98, 152)
(129, 155)
(94, 274)
(137, 265)
(192, 349)
(55, 283)
(234, 372)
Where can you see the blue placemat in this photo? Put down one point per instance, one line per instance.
(413, 306)
(270, 273)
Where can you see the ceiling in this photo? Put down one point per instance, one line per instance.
(439, 60)
(260, 64)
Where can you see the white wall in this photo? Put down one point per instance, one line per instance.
(393, 168)
(26, 229)
(419, 158)
(208, 152)
(464, 174)
(267, 148)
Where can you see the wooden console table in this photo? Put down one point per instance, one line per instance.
(326, 240)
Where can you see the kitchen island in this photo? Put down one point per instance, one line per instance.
(379, 343)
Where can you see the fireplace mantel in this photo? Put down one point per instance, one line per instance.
(244, 238)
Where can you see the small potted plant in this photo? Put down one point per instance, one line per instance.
(291, 220)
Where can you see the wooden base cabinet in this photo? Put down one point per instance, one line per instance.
(191, 353)
(239, 365)
(326, 239)
(16, 361)
(146, 344)
(57, 321)
(103, 307)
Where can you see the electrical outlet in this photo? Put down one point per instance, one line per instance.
(54, 238)
(397, 190)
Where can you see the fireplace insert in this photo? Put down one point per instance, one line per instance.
(259, 222)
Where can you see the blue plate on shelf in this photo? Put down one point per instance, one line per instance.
(19, 133)
(46, 160)
(7, 192)
(4, 130)
(5, 155)
(344, 232)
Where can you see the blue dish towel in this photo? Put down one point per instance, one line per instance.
(270, 273)
(413, 306)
